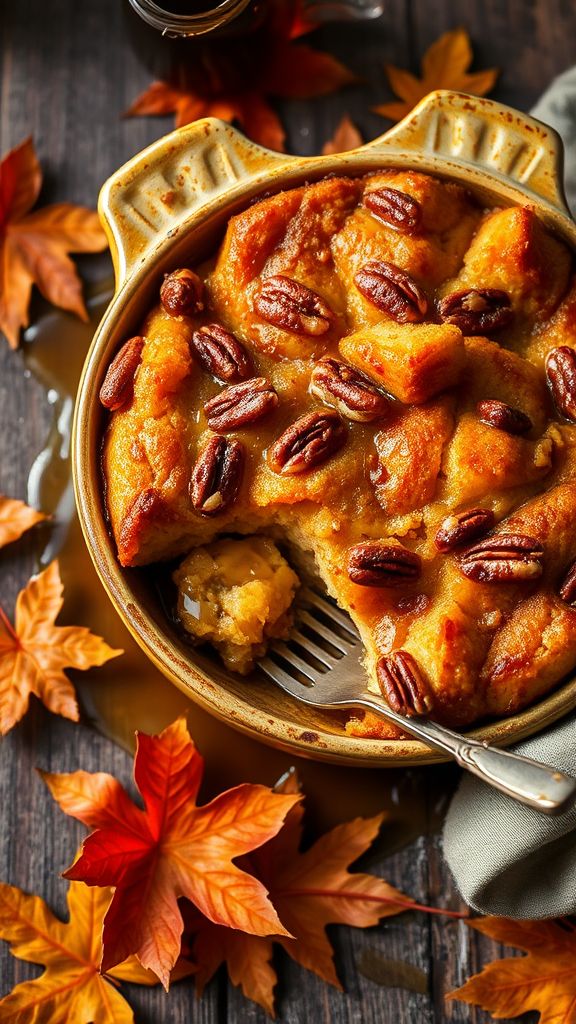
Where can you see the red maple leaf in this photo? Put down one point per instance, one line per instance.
(172, 848)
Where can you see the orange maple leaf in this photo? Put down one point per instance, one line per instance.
(15, 518)
(544, 980)
(286, 69)
(34, 247)
(345, 137)
(173, 848)
(444, 66)
(310, 890)
(71, 988)
(34, 652)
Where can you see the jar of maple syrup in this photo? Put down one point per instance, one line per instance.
(216, 48)
(207, 47)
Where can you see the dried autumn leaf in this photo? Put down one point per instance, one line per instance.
(392, 973)
(34, 652)
(286, 69)
(309, 890)
(173, 848)
(34, 247)
(444, 66)
(71, 989)
(345, 137)
(247, 958)
(544, 980)
(15, 518)
(298, 71)
(301, 23)
(250, 109)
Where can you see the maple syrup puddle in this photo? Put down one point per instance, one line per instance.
(129, 693)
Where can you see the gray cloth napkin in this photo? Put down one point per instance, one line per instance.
(505, 858)
(557, 107)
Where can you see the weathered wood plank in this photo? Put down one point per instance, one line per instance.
(66, 76)
(530, 41)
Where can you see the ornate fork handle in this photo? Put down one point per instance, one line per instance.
(528, 781)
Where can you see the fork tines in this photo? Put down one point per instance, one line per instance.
(322, 637)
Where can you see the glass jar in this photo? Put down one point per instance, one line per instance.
(207, 48)
(216, 47)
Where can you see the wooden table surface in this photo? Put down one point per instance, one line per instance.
(67, 74)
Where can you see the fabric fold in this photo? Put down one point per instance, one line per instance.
(507, 859)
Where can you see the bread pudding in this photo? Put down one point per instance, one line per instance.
(236, 594)
(376, 373)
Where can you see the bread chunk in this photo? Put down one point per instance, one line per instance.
(412, 361)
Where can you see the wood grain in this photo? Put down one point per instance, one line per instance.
(67, 74)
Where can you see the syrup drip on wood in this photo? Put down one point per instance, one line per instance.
(129, 693)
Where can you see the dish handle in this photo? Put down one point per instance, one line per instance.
(150, 197)
(480, 135)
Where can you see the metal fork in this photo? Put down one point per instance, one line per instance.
(319, 665)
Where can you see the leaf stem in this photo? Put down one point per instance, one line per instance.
(399, 902)
(4, 618)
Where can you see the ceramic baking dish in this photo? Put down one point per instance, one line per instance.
(169, 206)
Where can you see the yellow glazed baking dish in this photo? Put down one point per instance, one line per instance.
(168, 207)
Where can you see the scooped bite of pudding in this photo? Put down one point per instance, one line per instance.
(236, 594)
(376, 374)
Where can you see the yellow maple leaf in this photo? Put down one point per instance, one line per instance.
(444, 66)
(71, 988)
(34, 652)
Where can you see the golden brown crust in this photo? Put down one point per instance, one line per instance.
(148, 511)
(485, 648)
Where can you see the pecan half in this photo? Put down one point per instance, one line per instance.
(220, 353)
(503, 417)
(182, 293)
(567, 588)
(307, 442)
(349, 391)
(241, 405)
(376, 564)
(217, 475)
(403, 685)
(287, 303)
(561, 373)
(118, 387)
(477, 310)
(505, 558)
(462, 527)
(397, 209)
(392, 290)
